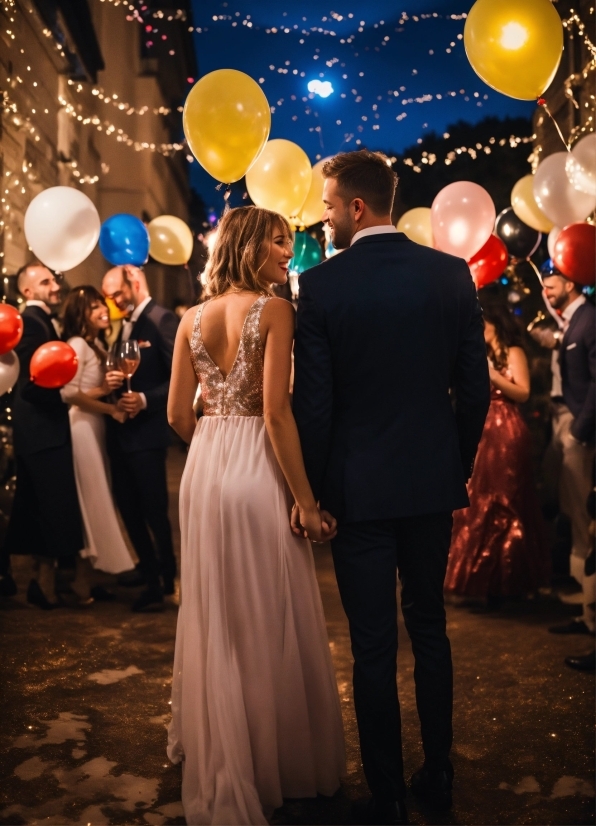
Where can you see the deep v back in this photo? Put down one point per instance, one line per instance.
(240, 393)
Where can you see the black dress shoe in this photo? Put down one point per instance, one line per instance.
(8, 586)
(35, 596)
(433, 787)
(573, 627)
(585, 662)
(101, 594)
(150, 601)
(132, 579)
(376, 812)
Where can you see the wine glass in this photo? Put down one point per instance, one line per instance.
(129, 358)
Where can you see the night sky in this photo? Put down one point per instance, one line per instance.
(387, 61)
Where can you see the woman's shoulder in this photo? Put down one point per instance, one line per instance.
(79, 344)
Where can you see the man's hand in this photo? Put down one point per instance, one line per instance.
(300, 523)
(328, 526)
(131, 403)
(112, 381)
(545, 337)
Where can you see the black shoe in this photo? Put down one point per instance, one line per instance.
(573, 627)
(433, 787)
(132, 579)
(169, 586)
(586, 662)
(101, 594)
(150, 601)
(35, 596)
(380, 812)
(8, 586)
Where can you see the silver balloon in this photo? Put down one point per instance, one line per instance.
(581, 165)
(555, 195)
(552, 237)
(9, 371)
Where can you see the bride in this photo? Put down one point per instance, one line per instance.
(255, 708)
(85, 321)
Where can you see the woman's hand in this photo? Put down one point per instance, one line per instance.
(493, 374)
(313, 523)
(113, 380)
(119, 415)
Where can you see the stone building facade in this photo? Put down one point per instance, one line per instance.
(92, 96)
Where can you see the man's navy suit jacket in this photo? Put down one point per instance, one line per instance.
(385, 331)
(577, 361)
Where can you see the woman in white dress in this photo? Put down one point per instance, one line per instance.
(255, 706)
(86, 319)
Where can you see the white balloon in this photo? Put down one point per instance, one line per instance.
(550, 243)
(555, 195)
(62, 227)
(9, 371)
(581, 165)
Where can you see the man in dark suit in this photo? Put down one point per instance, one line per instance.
(384, 331)
(45, 520)
(137, 448)
(573, 421)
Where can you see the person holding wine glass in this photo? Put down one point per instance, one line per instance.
(137, 447)
(85, 321)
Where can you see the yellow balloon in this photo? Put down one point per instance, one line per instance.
(313, 208)
(525, 207)
(415, 223)
(280, 178)
(170, 240)
(226, 122)
(514, 45)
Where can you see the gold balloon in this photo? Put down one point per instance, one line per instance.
(313, 208)
(525, 207)
(415, 223)
(226, 122)
(515, 46)
(170, 240)
(280, 178)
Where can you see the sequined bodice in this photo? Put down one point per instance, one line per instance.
(241, 392)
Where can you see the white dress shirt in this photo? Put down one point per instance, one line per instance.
(380, 230)
(563, 321)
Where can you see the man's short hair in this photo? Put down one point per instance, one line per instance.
(366, 175)
(22, 270)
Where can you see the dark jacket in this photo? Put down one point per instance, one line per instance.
(40, 416)
(384, 331)
(576, 359)
(155, 330)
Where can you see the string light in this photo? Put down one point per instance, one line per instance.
(473, 152)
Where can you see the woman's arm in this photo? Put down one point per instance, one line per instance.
(86, 402)
(183, 384)
(72, 394)
(517, 390)
(277, 324)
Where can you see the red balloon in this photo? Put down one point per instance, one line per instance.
(489, 262)
(11, 328)
(53, 364)
(575, 252)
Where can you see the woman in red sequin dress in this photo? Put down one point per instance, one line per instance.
(497, 547)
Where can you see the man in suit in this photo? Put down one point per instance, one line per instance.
(384, 330)
(573, 420)
(45, 521)
(137, 448)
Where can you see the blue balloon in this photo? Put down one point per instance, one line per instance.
(307, 252)
(123, 239)
(549, 268)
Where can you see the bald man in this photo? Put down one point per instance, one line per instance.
(137, 448)
(45, 521)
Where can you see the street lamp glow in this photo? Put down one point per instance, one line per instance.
(322, 88)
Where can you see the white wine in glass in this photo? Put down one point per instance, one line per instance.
(129, 358)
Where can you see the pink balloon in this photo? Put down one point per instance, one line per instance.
(462, 219)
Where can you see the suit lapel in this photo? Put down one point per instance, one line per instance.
(41, 316)
(575, 318)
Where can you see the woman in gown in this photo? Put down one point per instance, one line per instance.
(255, 707)
(85, 321)
(498, 547)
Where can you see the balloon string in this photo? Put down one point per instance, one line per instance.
(536, 270)
(542, 102)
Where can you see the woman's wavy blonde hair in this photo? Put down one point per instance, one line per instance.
(234, 263)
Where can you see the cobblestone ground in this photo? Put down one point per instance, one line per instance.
(85, 704)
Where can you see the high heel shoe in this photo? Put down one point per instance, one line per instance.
(35, 596)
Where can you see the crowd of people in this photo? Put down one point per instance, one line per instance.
(372, 457)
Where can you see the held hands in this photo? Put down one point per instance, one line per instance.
(119, 415)
(131, 404)
(313, 523)
(545, 337)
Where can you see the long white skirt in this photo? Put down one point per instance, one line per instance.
(255, 706)
(104, 543)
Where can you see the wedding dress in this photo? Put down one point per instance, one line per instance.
(104, 543)
(255, 707)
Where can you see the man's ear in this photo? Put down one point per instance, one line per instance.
(358, 205)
